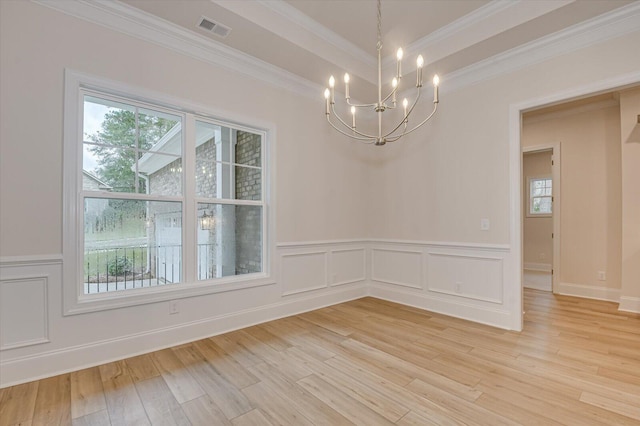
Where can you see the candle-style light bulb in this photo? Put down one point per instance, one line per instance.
(419, 64)
(327, 93)
(405, 104)
(346, 85)
(399, 54)
(436, 82)
(394, 84)
(332, 83)
(353, 115)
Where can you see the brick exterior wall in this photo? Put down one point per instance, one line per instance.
(248, 186)
(248, 218)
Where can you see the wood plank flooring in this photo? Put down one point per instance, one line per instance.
(366, 362)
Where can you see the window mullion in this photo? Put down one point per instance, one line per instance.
(190, 213)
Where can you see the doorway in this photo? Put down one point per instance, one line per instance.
(540, 218)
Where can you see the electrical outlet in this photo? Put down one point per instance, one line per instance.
(334, 278)
(602, 276)
(173, 307)
(485, 224)
(458, 287)
(542, 256)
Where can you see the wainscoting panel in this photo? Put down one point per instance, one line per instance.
(348, 266)
(23, 324)
(25, 284)
(400, 267)
(457, 279)
(304, 272)
(473, 277)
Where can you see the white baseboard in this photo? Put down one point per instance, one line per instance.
(47, 364)
(589, 292)
(537, 286)
(542, 267)
(629, 304)
(495, 317)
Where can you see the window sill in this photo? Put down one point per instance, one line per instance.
(541, 215)
(142, 296)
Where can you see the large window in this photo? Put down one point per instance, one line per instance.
(164, 198)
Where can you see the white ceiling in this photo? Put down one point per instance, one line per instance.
(316, 38)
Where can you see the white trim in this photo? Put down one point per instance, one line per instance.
(131, 21)
(302, 244)
(137, 23)
(299, 29)
(46, 364)
(629, 304)
(620, 21)
(44, 280)
(541, 267)
(487, 21)
(325, 256)
(467, 310)
(421, 279)
(589, 292)
(556, 211)
(442, 244)
(354, 280)
(515, 168)
(74, 299)
(528, 213)
(32, 260)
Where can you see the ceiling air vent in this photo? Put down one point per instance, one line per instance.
(214, 27)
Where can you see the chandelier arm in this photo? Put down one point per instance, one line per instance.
(361, 105)
(435, 107)
(333, 109)
(369, 139)
(406, 117)
(389, 95)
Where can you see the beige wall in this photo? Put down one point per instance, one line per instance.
(537, 243)
(590, 222)
(629, 111)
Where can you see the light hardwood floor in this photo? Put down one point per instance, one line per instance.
(366, 362)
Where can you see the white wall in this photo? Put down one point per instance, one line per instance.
(591, 218)
(630, 139)
(537, 243)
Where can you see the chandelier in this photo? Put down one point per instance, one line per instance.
(398, 129)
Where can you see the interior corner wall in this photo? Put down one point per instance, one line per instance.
(435, 187)
(630, 145)
(537, 244)
(591, 217)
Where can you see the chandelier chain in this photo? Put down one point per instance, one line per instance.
(379, 46)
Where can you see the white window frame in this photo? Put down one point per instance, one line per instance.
(74, 299)
(530, 197)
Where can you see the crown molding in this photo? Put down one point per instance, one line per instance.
(287, 22)
(481, 24)
(125, 19)
(617, 23)
(128, 20)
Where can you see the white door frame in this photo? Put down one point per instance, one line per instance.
(515, 293)
(554, 147)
